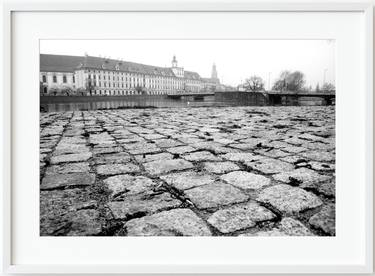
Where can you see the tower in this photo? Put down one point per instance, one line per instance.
(174, 62)
(178, 71)
(214, 72)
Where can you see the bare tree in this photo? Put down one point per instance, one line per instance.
(66, 90)
(254, 84)
(328, 87)
(290, 81)
(317, 88)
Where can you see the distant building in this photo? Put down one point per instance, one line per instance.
(104, 76)
(213, 83)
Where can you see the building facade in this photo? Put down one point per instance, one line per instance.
(57, 72)
(103, 76)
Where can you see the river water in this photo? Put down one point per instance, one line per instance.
(132, 102)
(59, 104)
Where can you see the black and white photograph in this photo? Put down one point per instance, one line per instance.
(187, 137)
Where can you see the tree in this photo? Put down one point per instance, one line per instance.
(290, 81)
(281, 83)
(328, 87)
(317, 88)
(41, 88)
(66, 90)
(140, 90)
(89, 86)
(253, 84)
(54, 90)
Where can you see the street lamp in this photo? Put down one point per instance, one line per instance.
(324, 76)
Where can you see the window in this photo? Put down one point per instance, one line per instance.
(74, 79)
(64, 79)
(44, 78)
(54, 79)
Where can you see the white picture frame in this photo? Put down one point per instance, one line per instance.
(7, 146)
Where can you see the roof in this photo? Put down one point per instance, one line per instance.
(59, 63)
(211, 80)
(118, 65)
(63, 63)
(192, 75)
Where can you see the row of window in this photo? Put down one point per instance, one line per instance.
(154, 83)
(108, 74)
(114, 76)
(138, 80)
(54, 79)
(134, 85)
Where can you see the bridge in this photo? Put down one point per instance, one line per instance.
(279, 97)
(261, 97)
(274, 97)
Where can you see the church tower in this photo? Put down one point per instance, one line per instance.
(214, 72)
(178, 71)
(174, 62)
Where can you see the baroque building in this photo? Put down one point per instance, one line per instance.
(57, 71)
(104, 76)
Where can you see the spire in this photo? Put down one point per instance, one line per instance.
(174, 61)
(214, 72)
(85, 60)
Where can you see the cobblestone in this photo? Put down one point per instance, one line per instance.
(221, 167)
(129, 185)
(239, 217)
(289, 199)
(201, 156)
(287, 227)
(158, 167)
(246, 180)
(187, 180)
(68, 168)
(140, 204)
(177, 222)
(54, 181)
(114, 169)
(75, 157)
(302, 177)
(215, 195)
(252, 171)
(325, 220)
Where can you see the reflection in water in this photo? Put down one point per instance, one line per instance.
(68, 104)
(134, 102)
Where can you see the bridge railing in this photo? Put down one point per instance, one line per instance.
(312, 93)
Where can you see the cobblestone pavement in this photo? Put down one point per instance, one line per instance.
(248, 171)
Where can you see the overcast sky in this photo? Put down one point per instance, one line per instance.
(235, 60)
